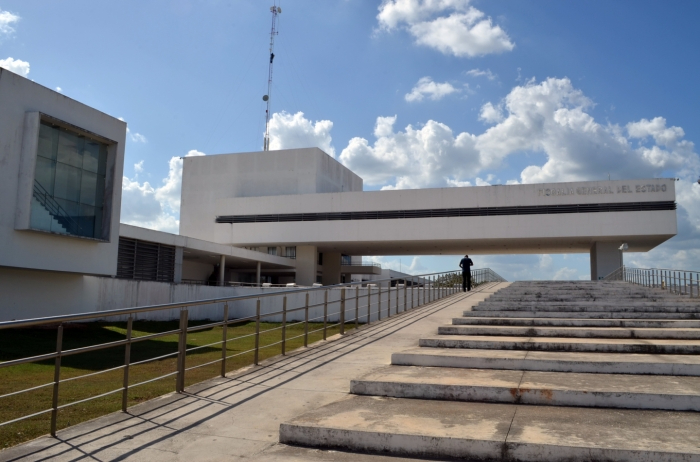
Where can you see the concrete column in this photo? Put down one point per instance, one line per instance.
(331, 268)
(222, 269)
(257, 273)
(306, 265)
(606, 257)
(177, 277)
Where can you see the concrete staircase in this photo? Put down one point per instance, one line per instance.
(539, 371)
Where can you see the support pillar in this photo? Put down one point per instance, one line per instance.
(177, 276)
(258, 268)
(306, 265)
(606, 257)
(222, 269)
(331, 268)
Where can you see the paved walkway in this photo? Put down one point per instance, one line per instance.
(238, 417)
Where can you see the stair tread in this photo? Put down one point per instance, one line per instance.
(514, 380)
(465, 429)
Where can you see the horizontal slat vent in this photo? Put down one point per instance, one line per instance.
(145, 261)
(457, 212)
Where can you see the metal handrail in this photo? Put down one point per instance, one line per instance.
(680, 282)
(54, 208)
(376, 265)
(425, 288)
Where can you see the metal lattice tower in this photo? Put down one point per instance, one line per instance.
(275, 11)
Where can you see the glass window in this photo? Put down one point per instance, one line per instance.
(48, 142)
(45, 171)
(70, 149)
(272, 250)
(69, 183)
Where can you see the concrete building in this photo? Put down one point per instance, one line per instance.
(290, 216)
(595, 217)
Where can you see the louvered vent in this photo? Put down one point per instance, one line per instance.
(145, 261)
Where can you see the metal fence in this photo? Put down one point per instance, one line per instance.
(681, 282)
(354, 306)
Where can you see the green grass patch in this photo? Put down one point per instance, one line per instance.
(22, 343)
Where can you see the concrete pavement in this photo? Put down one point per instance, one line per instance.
(238, 417)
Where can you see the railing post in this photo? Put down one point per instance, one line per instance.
(369, 304)
(357, 307)
(306, 321)
(182, 352)
(413, 287)
(388, 300)
(56, 379)
(342, 311)
(397, 296)
(379, 301)
(256, 353)
(224, 338)
(405, 298)
(284, 325)
(127, 361)
(325, 313)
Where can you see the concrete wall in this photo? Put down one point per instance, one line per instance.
(507, 234)
(22, 248)
(72, 294)
(196, 271)
(207, 179)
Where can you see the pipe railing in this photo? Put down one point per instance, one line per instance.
(681, 282)
(364, 305)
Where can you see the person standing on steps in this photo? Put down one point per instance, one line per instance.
(465, 264)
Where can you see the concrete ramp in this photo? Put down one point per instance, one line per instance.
(536, 372)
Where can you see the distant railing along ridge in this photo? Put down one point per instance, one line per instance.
(681, 282)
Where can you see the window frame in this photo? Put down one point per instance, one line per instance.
(27, 174)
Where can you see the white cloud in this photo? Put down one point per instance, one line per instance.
(491, 114)
(566, 274)
(427, 88)
(154, 207)
(289, 131)
(59, 89)
(551, 117)
(7, 19)
(413, 158)
(479, 73)
(137, 137)
(15, 65)
(450, 26)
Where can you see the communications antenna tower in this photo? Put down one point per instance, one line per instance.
(275, 11)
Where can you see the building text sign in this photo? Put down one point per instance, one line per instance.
(585, 190)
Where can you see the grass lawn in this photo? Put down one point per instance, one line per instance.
(19, 343)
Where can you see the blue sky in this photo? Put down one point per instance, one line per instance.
(407, 93)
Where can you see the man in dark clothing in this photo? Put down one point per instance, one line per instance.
(465, 264)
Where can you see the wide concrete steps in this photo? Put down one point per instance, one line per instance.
(486, 431)
(563, 297)
(594, 363)
(642, 307)
(578, 322)
(652, 346)
(574, 332)
(581, 314)
(526, 387)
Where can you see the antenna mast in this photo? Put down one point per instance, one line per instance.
(275, 11)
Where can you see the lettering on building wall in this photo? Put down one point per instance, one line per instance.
(586, 191)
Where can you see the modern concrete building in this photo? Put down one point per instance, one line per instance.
(324, 224)
(290, 216)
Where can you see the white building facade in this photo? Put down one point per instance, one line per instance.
(289, 216)
(595, 217)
